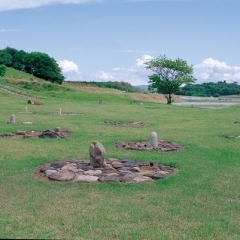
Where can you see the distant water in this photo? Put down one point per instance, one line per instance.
(207, 102)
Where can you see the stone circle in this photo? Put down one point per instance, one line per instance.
(56, 133)
(126, 124)
(145, 145)
(121, 171)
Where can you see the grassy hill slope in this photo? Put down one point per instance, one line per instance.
(18, 82)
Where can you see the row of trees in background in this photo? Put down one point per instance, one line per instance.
(36, 63)
(210, 89)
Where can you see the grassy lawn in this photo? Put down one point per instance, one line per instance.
(201, 202)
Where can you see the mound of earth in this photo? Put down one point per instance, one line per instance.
(145, 145)
(126, 124)
(56, 133)
(121, 171)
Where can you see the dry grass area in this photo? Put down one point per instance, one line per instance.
(148, 97)
(152, 97)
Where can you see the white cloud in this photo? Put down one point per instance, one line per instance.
(70, 70)
(105, 76)
(6, 5)
(135, 75)
(141, 61)
(68, 66)
(212, 70)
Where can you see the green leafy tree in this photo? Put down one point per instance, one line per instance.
(168, 75)
(43, 66)
(19, 60)
(5, 58)
(2, 70)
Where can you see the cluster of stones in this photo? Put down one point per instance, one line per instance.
(153, 144)
(114, 170)
(230, 136)
(145, 145)
(56, 133)
(128, 124)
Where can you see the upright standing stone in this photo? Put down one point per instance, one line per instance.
(12, 119)
(26, 110)
(59, 111)
(101, 101)
(153, 140)
(96, 153)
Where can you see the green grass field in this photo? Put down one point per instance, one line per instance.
(201, 202)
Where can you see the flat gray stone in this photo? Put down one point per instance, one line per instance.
(62, 176)
(85, 179)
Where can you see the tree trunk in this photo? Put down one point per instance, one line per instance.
(169, 98)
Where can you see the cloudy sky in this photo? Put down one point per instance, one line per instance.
(109, 40)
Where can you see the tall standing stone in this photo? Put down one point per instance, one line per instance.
(26, 110)
(59, 111)
(153, 140)
(96, 153)
(12, 119)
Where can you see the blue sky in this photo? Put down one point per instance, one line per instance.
(109, 40)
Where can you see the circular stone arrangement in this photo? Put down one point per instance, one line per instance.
(126, 124)
(229, 136)
(56, 133)
(58, 114)
(145, 145)
(121, 171)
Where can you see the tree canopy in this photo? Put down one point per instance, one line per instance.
(36, 63)
(168, 75)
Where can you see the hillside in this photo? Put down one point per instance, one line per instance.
(26, 85)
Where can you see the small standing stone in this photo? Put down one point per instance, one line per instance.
(59, 111)
(101, 101)
(153, 140)
(12, 119)
(96, 152)
(26, 110)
